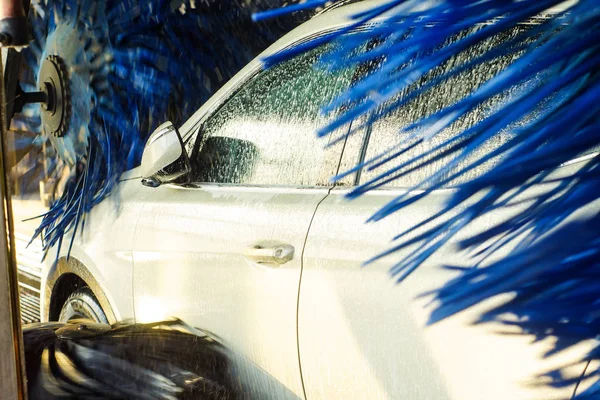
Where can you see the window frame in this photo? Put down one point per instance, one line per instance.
(191, 134)
(194, 133)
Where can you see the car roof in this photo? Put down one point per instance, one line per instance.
(326, 21)
(333, 18)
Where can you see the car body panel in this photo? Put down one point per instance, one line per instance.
(189, 261)
(103, 247)
(361, 335)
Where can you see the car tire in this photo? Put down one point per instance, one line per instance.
(82, 304)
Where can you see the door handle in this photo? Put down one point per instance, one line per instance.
(270, 253)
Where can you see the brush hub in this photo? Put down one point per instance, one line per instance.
(54, 81)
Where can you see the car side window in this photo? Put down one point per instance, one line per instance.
(265, 133)
(386, 133)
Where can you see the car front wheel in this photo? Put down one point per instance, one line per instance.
(82, 304)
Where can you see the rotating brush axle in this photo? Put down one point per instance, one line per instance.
(54, 95)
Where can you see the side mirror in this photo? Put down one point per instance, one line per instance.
(164, 159)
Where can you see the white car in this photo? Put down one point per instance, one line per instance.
(262, 250)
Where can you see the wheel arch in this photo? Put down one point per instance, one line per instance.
(64, 277)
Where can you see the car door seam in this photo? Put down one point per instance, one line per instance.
(300, 285)
(580, 379)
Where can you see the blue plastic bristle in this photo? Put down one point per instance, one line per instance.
(551, 114)
(128, 61)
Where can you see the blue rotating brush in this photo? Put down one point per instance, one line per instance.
(108, 72)
(550, 114)
(163, 360)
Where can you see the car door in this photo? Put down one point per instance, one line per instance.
(362, 335)
(223, 253)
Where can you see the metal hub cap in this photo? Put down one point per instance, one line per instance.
(54, 81)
